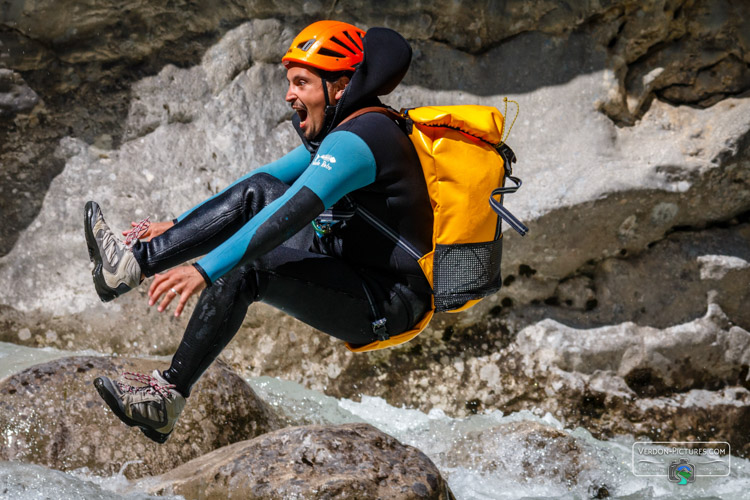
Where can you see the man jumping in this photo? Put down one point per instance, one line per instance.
(262, 239)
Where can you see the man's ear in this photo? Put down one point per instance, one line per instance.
(340, 86)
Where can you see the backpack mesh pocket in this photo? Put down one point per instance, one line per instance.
(464, 272)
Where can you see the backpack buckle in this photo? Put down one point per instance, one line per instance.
(507, 155)
(323, 227)
(379, 329)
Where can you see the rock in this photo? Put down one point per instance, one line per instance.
(687, 382)
(51, 415)
(695, 415)
(685, 52)
(703, 353)
(347, 461)
(15, 95)
(177, 150)
(690, 263)
(610, 380)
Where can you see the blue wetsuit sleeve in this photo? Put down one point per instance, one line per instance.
(342, 164)
(286, 169)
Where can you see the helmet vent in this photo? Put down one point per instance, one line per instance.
(328, 52)
(342, 44)
(351, 39)
(306, 45)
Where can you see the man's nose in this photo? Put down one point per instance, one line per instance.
(290, 97)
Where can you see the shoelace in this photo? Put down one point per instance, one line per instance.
(151, 386)
(138, 231)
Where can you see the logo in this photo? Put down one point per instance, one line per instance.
(681, 472)
(681, 461)
(324, 161)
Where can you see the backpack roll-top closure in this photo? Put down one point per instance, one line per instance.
(482, 122)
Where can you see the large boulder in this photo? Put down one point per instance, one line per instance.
(50, 414)
(350, 461)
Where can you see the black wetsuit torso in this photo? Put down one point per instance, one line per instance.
(398, 197)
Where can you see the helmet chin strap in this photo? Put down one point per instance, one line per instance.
(329, 111)
(325, 91)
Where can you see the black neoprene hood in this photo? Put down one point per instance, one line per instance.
(387, 56)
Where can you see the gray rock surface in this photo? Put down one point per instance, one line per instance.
(652, 361)
(176, 149)
(15, 95)
(50, 414)
(349, 461)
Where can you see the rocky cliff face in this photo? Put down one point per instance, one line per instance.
(633, 142)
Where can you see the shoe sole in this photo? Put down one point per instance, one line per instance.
(107, 392)
(105, 292)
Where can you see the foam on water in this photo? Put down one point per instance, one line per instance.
(15, 358)
(501, 471)
(480, 456)
(20, 481)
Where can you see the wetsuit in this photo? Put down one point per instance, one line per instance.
(257, 242)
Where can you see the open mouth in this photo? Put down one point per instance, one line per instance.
(302, 113)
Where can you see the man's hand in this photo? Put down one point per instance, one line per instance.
(184, 280)
(154, 230)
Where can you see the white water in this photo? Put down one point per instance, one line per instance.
(499, 472)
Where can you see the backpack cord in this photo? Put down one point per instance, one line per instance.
(505, 115)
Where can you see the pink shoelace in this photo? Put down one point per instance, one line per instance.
(137, 231)
(151, 385)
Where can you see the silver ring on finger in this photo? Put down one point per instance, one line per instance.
(174, 291)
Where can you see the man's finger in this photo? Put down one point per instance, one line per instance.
(168, 296)
(181, 305)
(158, 280)
(161, 289)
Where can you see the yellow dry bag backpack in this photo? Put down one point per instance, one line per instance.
(464, 159)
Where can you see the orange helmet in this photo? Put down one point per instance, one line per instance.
(327, 45)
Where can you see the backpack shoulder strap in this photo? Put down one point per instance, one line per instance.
(364, 213)
(390, 113)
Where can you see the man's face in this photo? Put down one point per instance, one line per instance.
(305, 94)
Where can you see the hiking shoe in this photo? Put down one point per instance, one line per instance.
(115, 269)
(153, 407)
